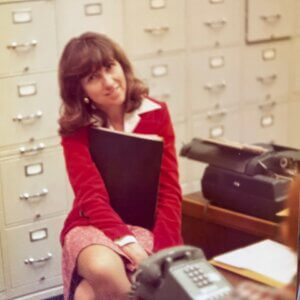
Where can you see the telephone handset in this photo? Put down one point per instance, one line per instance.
(180, 273)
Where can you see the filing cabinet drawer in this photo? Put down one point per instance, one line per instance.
(94, 16)
(154, 25)
(295, 65)
(266, 71)
(165, 76)
(181, 139)
(293, 123)
(29, 39)
(213, 78)
(31, 107)
(215, 22)
(34, 187)
(34, 252)
(265, 123)
(269, 19)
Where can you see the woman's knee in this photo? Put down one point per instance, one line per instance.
(99, 263)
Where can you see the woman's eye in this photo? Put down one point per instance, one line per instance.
(110, 65)
(93, 77)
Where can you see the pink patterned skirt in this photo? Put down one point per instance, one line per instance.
(80, 237)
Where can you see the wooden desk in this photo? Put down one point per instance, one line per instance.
(217, 230)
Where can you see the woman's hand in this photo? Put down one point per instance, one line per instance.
(136, 252)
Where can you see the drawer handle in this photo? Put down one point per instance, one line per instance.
(27, 196)
(33, 149)
(28, 45)
(218, 114)
(215, 87)
(271, 18)
(31, 117)
(267, 79)
(216, 24)
(31, 260)
(267, 105)
(159, 30)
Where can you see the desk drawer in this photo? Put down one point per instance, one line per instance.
(34, 252)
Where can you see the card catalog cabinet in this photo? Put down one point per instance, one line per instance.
(165, 76)
(153, 26)
(76, 17)
(213, 23)
(213, 78)
(269, 20)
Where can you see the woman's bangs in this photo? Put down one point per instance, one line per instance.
(94, 60)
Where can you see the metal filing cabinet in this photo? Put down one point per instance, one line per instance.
(153, 26)
(213, 23)
(34, 189)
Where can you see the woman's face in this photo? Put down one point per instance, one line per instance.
(106, 87)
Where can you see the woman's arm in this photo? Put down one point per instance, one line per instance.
(91, 197)
(167, 229)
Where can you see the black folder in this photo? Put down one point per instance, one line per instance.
(130, 167)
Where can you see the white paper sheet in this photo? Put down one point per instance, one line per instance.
(267, 257)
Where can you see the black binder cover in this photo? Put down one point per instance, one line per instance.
(130, 167)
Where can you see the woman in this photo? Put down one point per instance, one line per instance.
(98, 88)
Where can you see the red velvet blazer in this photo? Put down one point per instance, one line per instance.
(91, 204)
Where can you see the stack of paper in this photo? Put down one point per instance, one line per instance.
(267, 258)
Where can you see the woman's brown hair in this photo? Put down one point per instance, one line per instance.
(82, 56)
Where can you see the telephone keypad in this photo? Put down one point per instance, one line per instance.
(197, 276)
